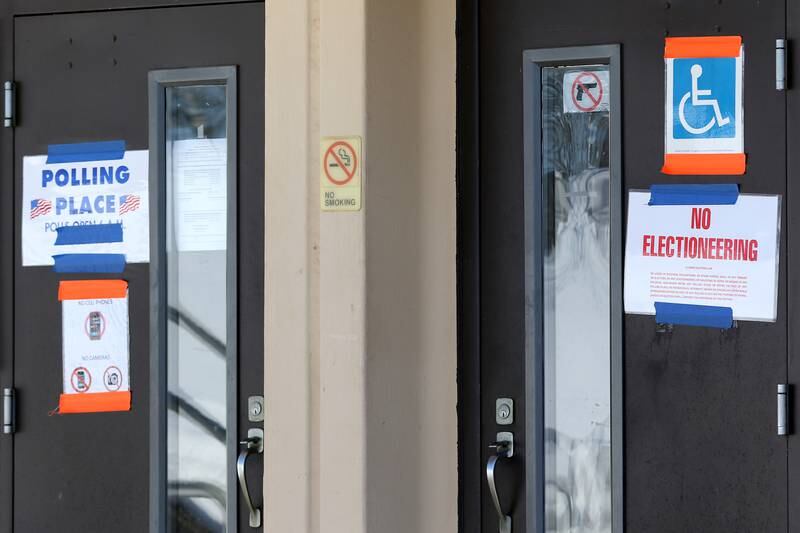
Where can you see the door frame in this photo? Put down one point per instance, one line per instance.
(8, 191)
(468, 274)
(158, 82)
(792, 220)
(535, 224)
(52, 7)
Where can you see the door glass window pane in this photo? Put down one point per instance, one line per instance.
(577, 323)
(197, 334)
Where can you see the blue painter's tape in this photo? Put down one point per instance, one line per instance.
(722, 194)
(694, 315)
(82, 152)
(89, 234)
(79, 263)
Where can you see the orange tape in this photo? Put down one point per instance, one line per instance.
(100, 402)
(729, 46)
(89, 289)
(705, 164)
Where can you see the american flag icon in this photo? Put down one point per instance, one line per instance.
(40, 207)
(128, 203)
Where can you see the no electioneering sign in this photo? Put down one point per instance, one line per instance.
(711, 255)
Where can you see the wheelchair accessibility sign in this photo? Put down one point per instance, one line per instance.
(699, 113)
(704, 115)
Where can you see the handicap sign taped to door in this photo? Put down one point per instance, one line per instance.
(85, 207)
(704, 113)
(95, 354)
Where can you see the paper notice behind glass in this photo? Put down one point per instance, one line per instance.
(199, 194)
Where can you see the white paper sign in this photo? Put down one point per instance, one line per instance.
(92, 192)
(715, 255)
(704, 109)
(200, 194)
(95, 350)
(586, 91)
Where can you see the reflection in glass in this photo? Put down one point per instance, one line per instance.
(196, 176)
(577, 324)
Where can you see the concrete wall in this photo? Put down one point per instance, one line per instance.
(291, 235)
(360, 322)
(411, 258)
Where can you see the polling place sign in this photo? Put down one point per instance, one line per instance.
(703, 246)
(97, 184)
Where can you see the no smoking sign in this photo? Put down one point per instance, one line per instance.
(340, 176)
(586, 91)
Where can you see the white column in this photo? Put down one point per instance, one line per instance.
(290, 329)
(343, 281)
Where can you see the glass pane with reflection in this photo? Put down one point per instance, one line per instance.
(577, 323)
(197, 384)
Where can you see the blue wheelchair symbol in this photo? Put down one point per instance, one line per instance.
(704, 98)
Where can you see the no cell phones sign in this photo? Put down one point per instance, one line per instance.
(95, 346)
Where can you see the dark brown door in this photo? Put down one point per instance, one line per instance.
(670, 429)
(83, 77)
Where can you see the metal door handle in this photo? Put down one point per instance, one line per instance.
(253, 445)
(503, 449)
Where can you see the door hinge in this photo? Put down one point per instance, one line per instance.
(9, 104)
(9, 411)
(780, 64)
(783, 409)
